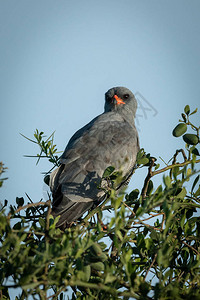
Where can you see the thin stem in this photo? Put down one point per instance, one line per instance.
(27, 206)
(192, 248)
(147, 179)
(173, 166)
(151, 265)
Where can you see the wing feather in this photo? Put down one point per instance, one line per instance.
(107, 140)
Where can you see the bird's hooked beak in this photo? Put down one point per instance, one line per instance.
(118, 100)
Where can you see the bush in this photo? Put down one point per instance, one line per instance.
(148, 249)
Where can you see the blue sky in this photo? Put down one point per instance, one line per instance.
(58, 58)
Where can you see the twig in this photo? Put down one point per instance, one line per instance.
(101, 286)
(147, 225)
(27, 206)
(54, 296)
(129, 209)
(185, 163)
(31, 202)
(151, 265)
(179, 276)
(189, 246)
(153, 216)
(148, 178)
(175, 156)
(142, 221)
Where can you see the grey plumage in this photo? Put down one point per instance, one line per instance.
(110, 139)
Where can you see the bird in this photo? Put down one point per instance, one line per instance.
(110, 139)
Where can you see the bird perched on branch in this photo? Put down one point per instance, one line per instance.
(110, 139)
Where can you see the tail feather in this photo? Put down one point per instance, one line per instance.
(70, 211)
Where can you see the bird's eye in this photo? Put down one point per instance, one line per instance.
(126, 96)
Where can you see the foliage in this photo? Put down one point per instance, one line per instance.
(149, 248)
(2, 170)
(47, 147)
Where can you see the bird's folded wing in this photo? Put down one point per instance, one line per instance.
(91, 150)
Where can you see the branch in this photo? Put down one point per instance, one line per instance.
(185, 163)
(100, 286)
(175, 156)
(27, 206)
(192, 248)
(148, 178)
(151, 265)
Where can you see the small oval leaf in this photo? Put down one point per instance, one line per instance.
(108, 171)
(191, 139)
(87, 271)
(47, 179)
(195, 151)
(194, 112)
(184, 117)
(143, 161)
(95, 249)
(179, 130)
(98, 266)
(187, 109)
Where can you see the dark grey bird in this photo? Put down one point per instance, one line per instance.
(110, 139)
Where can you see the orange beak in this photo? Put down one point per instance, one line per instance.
(118, 99)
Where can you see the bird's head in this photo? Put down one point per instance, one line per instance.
(120, 99)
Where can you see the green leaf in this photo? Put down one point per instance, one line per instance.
(118, 202)
(179, 130)
(118, 232)
(187, 109)
(154, 235)
(182, 222)
(184, 117)
(102, 257)
(28, 138)
(42, 222)
(195, 151)
(98, 266)
(87, 272)
(194, 183)
(108, 171)
(95, 250)
(140, 153)
(167, 181)
(110, 278)
(157, 167)
(197, 193)
(143, 161)
(20, 201)
(140, 241)
(182, 193)
(150, 188)
(133, 195)
(191, 139)
(175, 171)
(17, 226)
(47, 179)
(139, 211)
(194, 112)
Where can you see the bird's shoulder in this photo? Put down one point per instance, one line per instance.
(105, 120)
(104, 129)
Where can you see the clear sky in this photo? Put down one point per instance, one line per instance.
(58, 58)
